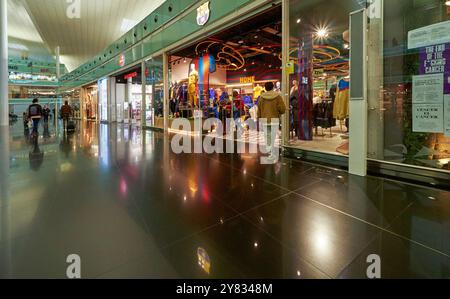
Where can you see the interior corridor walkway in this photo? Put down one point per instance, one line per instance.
(130, 208)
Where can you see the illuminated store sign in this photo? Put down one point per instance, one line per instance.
(203, 13)
(245, 80)
(122, 60)
(132, 75)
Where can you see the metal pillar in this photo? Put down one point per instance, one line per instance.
(144, 95)
(58, 62)
(4, 77)
(166, 91)
(285, 74)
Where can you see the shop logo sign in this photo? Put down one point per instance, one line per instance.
(203, 13)
(122, 60)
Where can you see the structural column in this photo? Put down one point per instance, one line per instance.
(4, 110)
(166, 91)
(144, 95)
(358, 93)
(285, 80)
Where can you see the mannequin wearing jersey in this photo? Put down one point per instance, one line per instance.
(192, 86)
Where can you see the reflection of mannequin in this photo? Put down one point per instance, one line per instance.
(278, 86)
(294, 89)
(341, 105)
(192, 87)
(257, 91)
(88, 106)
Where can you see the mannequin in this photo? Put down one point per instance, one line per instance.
(278, 86)
(257, 91)
(294, 89)
(192, 87)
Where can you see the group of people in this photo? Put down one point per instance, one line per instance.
(35, 113)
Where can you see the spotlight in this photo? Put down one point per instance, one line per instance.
(298, 21)
(322, 33)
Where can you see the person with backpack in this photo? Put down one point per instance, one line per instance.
(35, 115)
(66, 113)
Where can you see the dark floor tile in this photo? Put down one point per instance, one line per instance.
(427, 221)
(237, 249)
(325, 238)
(399, 259)
(369, 199)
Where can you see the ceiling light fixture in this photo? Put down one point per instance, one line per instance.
(298, 21)
(322, 32)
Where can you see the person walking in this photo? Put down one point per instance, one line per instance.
(35, 114)
(66, 113)
(46, 114)
(270, 108)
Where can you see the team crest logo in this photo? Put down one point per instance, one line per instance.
(203, 13)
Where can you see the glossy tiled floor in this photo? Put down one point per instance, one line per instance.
(129, 207)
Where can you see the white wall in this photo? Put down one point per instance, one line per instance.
(120, 99)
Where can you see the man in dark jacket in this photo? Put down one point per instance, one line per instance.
(66, 113)
(35, 114)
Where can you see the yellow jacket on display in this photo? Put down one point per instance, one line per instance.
(341, 104)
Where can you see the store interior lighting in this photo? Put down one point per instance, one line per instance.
(322, 32)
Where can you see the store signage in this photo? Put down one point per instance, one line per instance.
(131, 75)
(122, 60)
(290, 67)
(203, 13)
(245, 80)
(319, 72)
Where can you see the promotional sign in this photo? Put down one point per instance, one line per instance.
(428, 118)
(428, 89)
(431, 35)
(428, 106)
(436, 60)
(203, 13)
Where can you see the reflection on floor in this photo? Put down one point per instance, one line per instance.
(129, 207)
(331, 141)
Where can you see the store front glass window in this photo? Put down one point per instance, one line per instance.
(410, 94)
(155, 93)
(319, 75)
